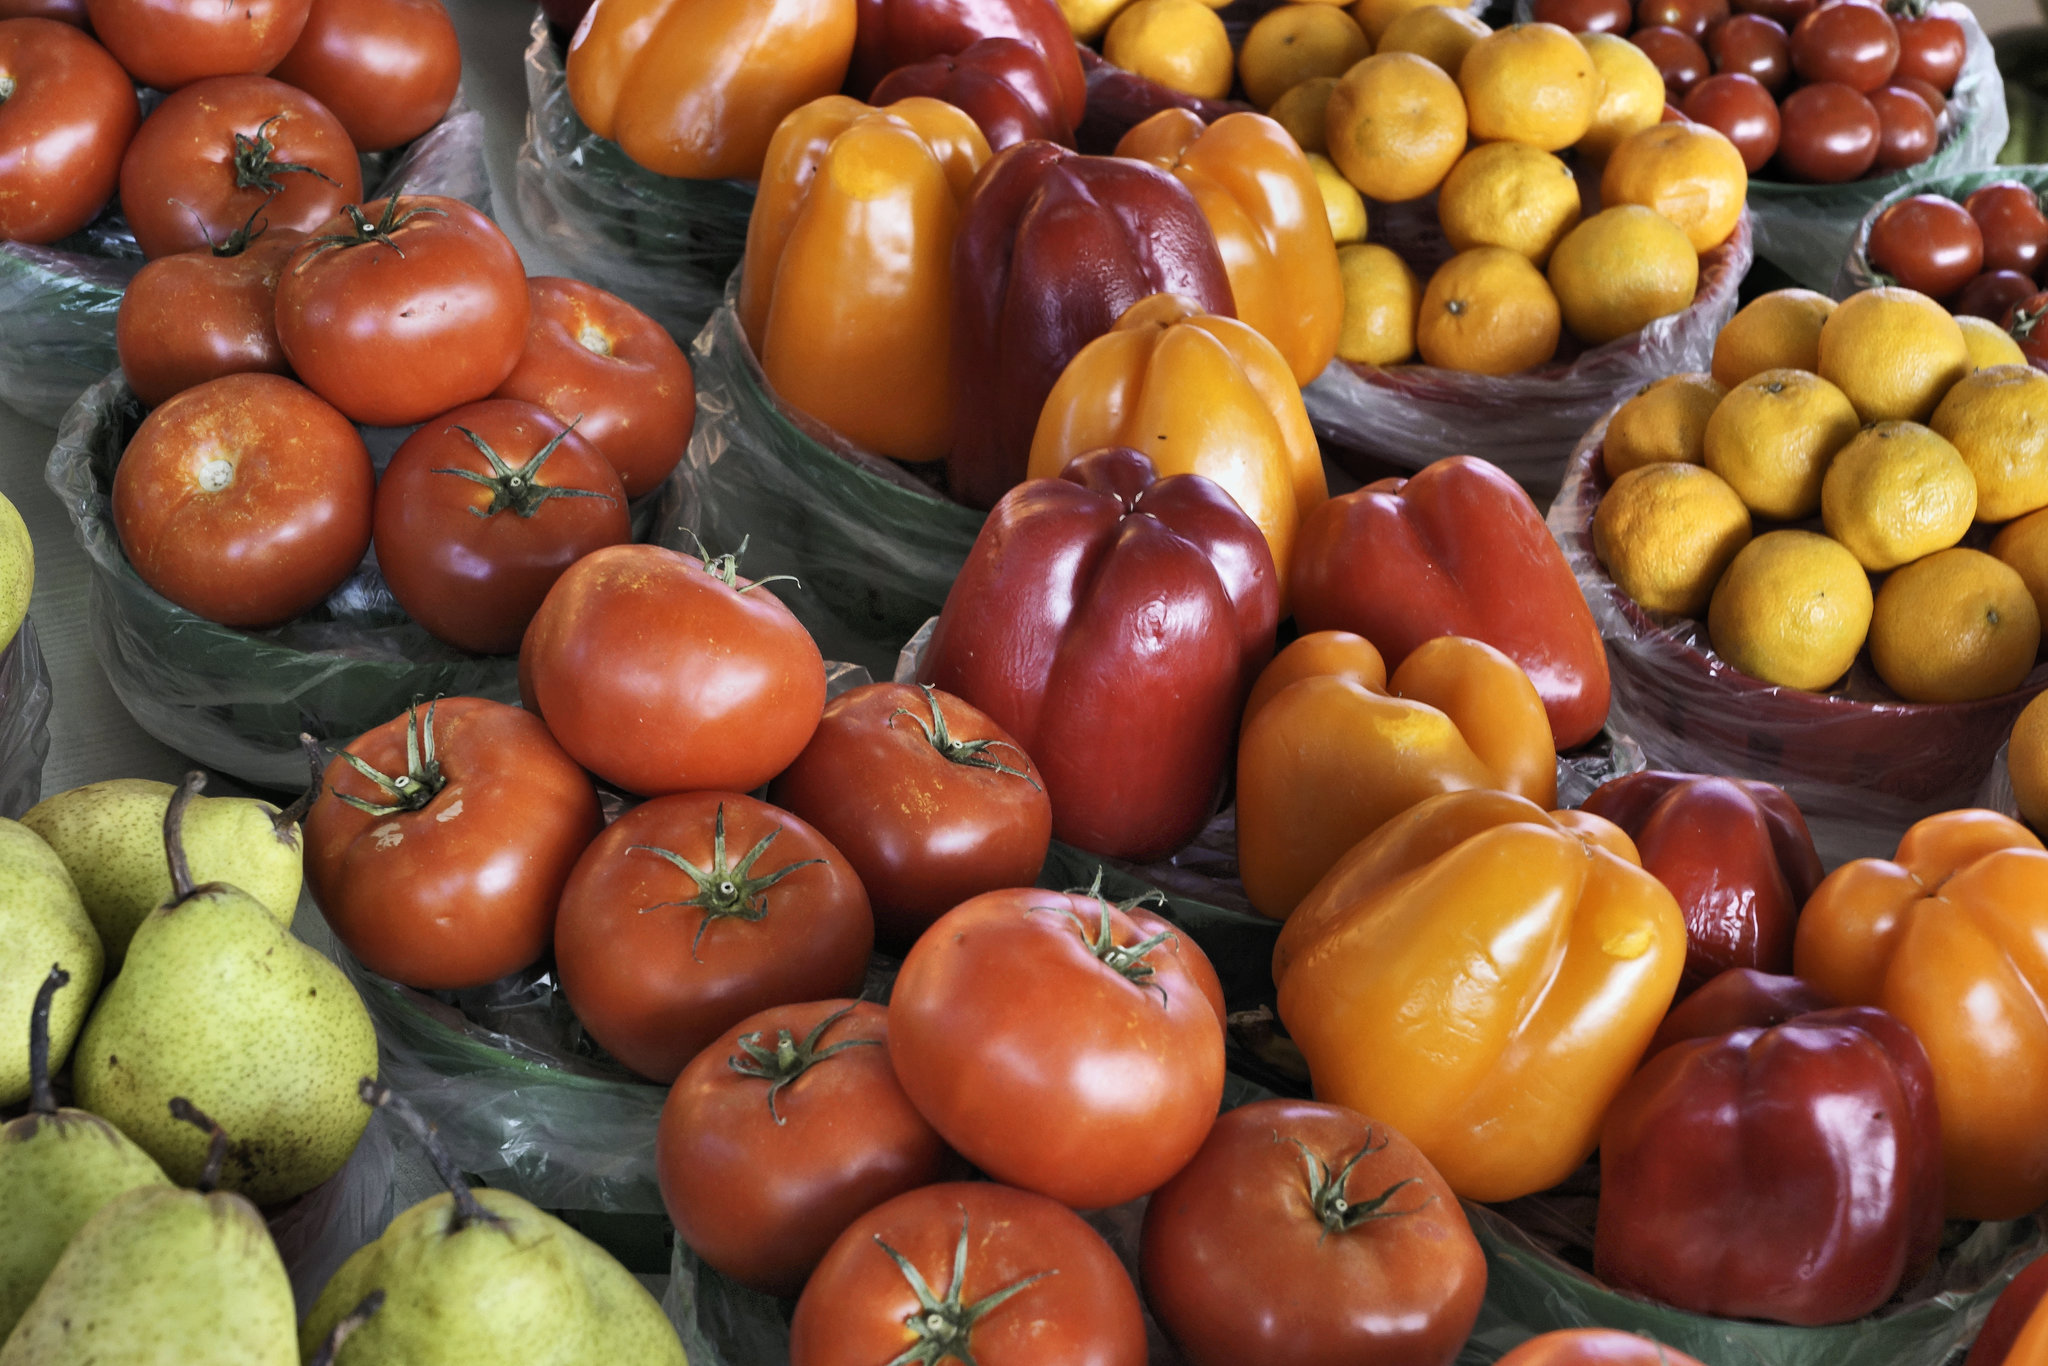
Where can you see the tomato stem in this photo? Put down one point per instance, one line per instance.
(238, 241)
(362, 232)
(256, 164)
(2024, 322)
(726, 568)
(422, 780)
(330, 1345)
(42, 1099)
(174, 835)
(970, 753)
(944, 1325)
(216, 1142)
(1126, 960)
(1329, 1199)
(725, 891)
(468, 1210)
(518, 490)
(790, 1057)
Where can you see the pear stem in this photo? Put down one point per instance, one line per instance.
(216, 1147)
(330, 1346)
(295, 814)
(174, 835)
(467, 1208)
(43, 1100)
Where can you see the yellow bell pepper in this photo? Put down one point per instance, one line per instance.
(847, 290)
(1483, 978)
(1260, 196)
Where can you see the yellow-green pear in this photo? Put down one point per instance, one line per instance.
(17, 571)
(41, 922)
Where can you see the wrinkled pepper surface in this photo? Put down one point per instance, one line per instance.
(847, 291)
(1053, 248)
(898, 33)
(1256, 188)
(1459, 549)
(1332, 749)
(1000, 83)
(1483, 977)
(1951, 935)
(1112, 624)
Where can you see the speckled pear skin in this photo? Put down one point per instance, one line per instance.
(41, 922)
(111, 838)
(163, 1277)
(220, 1004)
(529, 1291)
(17, 571)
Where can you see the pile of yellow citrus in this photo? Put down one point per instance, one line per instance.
(1867, 439)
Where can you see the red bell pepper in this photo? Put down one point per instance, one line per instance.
(1052, 248)
(1457, 550)
(1112, 623)
(1740, 998)
(2009, 1314)
(893, 33)
(1000, 83)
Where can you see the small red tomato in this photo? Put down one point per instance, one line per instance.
(1751, 45)
(1742, 111)
(1594, 1347)
(166, 44)
(1851, 42)
(1830, 134)
(386, 68)
(1929, 96)
(1927, 243)
(67, 117)
(2015, 229)
(1931, 48)
(1586, 16)
(1906, 133)
(1691, 17)
(199, 315)
(1740, 998)
(784, 1131)
(690, 913)
(1678, 59)
(245, 500)
(440, 865)
(1993, 295)
(1785, 13)
(592, 356)
(2028, 323)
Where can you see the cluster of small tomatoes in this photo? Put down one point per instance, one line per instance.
(1985, 257)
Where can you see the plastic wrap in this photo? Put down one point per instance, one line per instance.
(664, 244)
(1861, 765)
(60, 301)
(319, 1231)
(25, 697)
(1857, 273)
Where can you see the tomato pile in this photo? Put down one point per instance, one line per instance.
(1985, 257)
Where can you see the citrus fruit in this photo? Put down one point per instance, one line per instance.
(1956, 626)
(1086, 19)
(1621, 270)
(1396, 126)
(1897, 492)
(1685, 171)
(1666, 421)
(1437, 32)
(1998, 420)
(1180, 44)
(2024, 545)
(1989, 343)
(2026, 761)
(1772, 439)
(1506, 194)
(1295, 43)
(1632, 93)
(1792, 608)
(1530, 83)
(1342, 205)
(1487, 311)
(1666, 532)
(1377, 16)
(1775, 331)
(1302, 111)
(1381, 298)
(1894, 352)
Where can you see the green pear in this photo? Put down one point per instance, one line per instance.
(482, 1278)
(41, 922)
(17, 571)
(164, 1277)
(219, 1002)
(57, 1167)
(111, 837)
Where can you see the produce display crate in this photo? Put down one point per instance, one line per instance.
(1858, 274)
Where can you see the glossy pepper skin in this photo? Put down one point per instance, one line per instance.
(1948, 935)
(1053, 248)
(1332, 749)
(1000, 83)
(847, 290)
(1111, 625)
(1790, 1173)
(696, 88)
(1484, 978)
(1459, 549)
(1256, 189)
(899, 33)
(1740, 998)
(1736, 854)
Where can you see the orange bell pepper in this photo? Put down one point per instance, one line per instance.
(1484, 978)
(847, 290)
(1255, 187)
(1332, 749)
(1199, 394)
(695, 88)
(1951, 936)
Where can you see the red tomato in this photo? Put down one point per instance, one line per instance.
(441, 866)
(1993, 295)
(404, 308)
(1691, 17)
(1681, 61)
(784, 1131)
(930, 800)
(2015, 229)
(690, 913)
(2028, 323)
(479, 513)
(1929, 96)
(198, 315)
(1830, 134)
(245, 500)
(1586, 16)
(1927, 243)
(1785, 13)
(1751, 45)
(166, 44)
(592, 355)
(1931, 49)
(67, 118)
(1743, 111)
(1906, 135)
(386, 68)
(969, 1272)
(1594, 1347)
(70, 12)
(221, 152)
(662, 673)
(1010, 1012)
(1200, 970)
(1315, 1208)
(1851, 42)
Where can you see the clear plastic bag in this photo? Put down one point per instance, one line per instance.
(319, 1231)
(1858, 274)
(663, 244)
(60, 301)
(25, 697)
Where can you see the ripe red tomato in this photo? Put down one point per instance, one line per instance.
(386, 68)
(1594, 1347)
(1830, 134)
(1931, 48)
(662, 673)
(930, 800)
(403, 308)
(1200, 970)
(969, 1271)
(166, 44)
(1691, 17)
(221, 152)
(1743, 111)
(1586, 16)
(1751, 45)
(479, 513)
(1312, 1207)
(1993, 295)
(1929, 96)
(1906, 134)
(2015, 229)
(1851, 42)
(781, 1133)
(1785, 13)
(1008, 1014)
(67, 118)
(443, 871)
(2028, 323)
(692, 912)
(1678, 59)
(70, 12)
(1927, 243)
(245, 500)
(592, 355)
(198, 315)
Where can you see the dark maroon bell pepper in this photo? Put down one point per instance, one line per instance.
(1000, 83)
(893, 33)
(1051, 249)
(1791, 1173)
(1113, 625)
(1740, 998)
